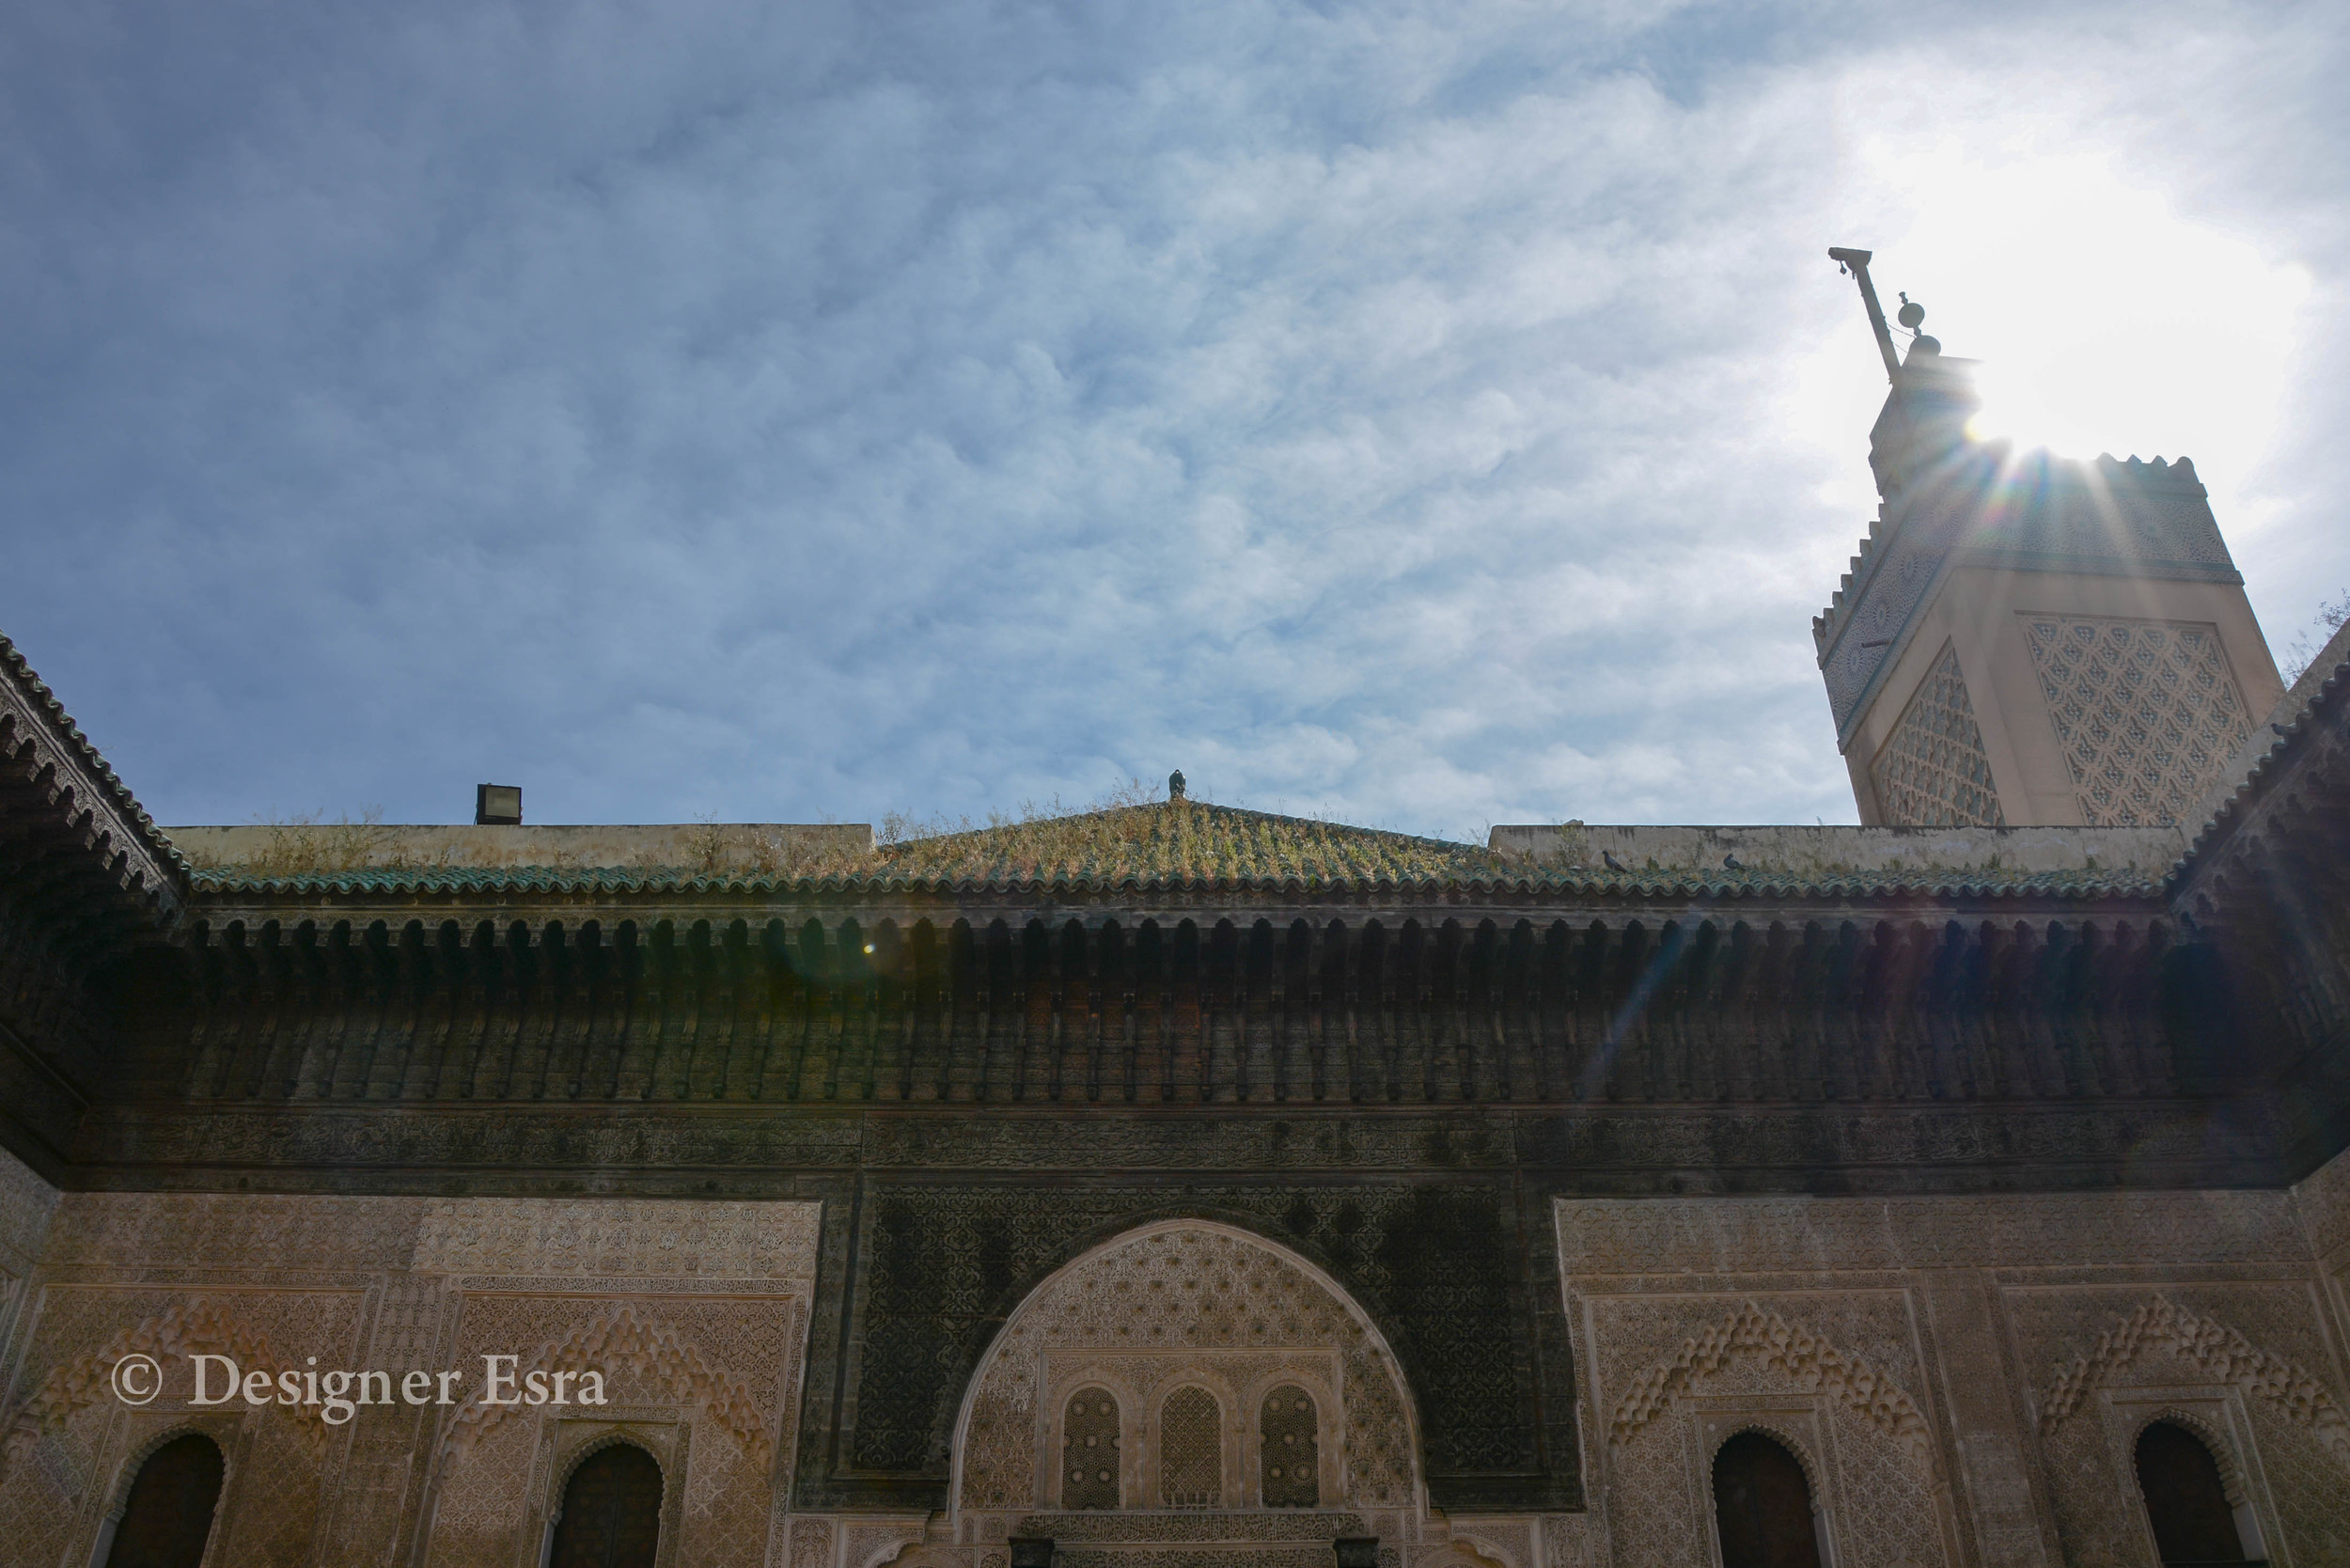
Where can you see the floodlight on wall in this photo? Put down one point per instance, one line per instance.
(497, 806)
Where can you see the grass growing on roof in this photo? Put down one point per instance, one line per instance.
(1134, 832)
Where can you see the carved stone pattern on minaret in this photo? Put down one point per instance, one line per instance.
(1932, 771)
(2153, 516)
(1897, 581)
(2147, 713)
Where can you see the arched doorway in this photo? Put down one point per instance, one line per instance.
(2186, 1501)
(1763, 1506)
(168, 1516)
(611, 1515)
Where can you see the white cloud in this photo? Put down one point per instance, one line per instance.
(1432, 417)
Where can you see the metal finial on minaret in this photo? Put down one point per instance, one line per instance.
(1912, 316)
(1175, 785)
(1856, 264)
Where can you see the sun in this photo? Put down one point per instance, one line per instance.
(2104, 321)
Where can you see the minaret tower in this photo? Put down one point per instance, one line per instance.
(2025, 638)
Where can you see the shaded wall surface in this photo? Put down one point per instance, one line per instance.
(1962, 1377)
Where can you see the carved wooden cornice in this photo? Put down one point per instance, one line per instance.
(75, 844)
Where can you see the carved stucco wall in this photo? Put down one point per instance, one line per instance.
(26, 1203)
(1175, 1304)
(2323, 1203)
(1962, 1377)
(2237, 1360)
(695, 1312)
(1828, 1373)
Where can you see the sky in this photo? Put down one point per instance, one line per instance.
(1428, 417)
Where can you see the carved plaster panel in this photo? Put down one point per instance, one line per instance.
(1666, 1297)
(2259, 1348)
(1800, 1235)
(72, 1445)
(2323, 1199)
(1833, 1374)
(1140, 1382)
(617, 1236)
(696, 1314)
(2216, 1416)
(1184, 1301)
(26, 1203)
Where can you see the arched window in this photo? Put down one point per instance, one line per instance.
(1291, 1464)
(2185, 1500)
(1089, 1450)
(611, 1515)
(168, 1516)
(1763, 1506)
(1191, 1450)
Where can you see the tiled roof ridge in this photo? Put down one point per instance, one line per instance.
(1203, 807)
(997, 861)
(1752, 884)
(93, 764)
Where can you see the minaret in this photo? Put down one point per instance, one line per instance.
(2025, 638)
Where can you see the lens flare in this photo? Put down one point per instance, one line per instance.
(2100, 318)
(2104, 321)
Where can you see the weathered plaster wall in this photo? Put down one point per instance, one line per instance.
(1822, 852)
(1965, 1378)
(697, 1313)
(2323, 1202)
(355, 846)
(26, 1203)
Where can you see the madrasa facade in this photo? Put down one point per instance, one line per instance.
(1178, 1187)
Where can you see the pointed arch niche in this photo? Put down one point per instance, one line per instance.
(1184, 1305)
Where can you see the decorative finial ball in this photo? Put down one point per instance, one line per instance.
(1912, 315)
(1175, 785)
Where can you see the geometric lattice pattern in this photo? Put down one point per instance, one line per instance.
(1089, 1450)
(1191, 1449)
(1292, 1460)
(1178, 1305)
(1932, 771)
(2145, 709)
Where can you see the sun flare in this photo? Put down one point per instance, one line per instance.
(2103, 319)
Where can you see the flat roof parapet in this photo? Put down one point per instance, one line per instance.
(742, 848)
(1820, 853)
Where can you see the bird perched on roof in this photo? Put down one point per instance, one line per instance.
(1612, 863)
(1730, 863)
